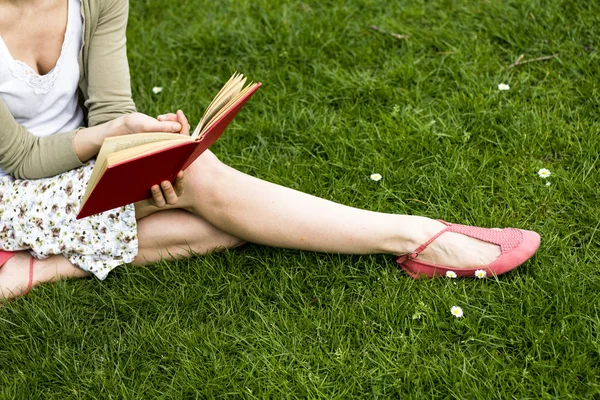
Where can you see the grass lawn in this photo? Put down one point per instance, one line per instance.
(341, 101)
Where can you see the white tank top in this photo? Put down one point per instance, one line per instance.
(45, 104)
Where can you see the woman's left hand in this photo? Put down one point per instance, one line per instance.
(167, 193)
(177, 117)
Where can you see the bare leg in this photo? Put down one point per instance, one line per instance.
(225, 207)
(172, 234)
(175, 234)
(269, 214)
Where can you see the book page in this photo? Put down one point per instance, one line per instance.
(222, 100)
(227, 92)
(114, 144)
(97, 172)
(230, 104)
(233, 78)
(138, 151)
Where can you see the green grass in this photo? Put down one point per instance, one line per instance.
(340, 102)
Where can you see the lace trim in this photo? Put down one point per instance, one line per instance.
(42, 84)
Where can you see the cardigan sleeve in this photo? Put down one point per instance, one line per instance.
(108, 93)
(26, 156)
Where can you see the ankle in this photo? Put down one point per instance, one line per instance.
(55, 268)
(414, 231)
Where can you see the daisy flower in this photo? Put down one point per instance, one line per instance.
(480, 273)
(156, 89)
(503, 86)
(544, 173)
(548, 183)
(451, 274)
(376, 177)
(456, 311)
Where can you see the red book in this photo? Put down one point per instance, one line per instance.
(127, 166)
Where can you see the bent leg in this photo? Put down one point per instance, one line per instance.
(172, 234)
(176, 234)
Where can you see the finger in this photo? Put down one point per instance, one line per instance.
(167, 117)
(179, 184)
(169, 192)
(162, 126)
(157, 196)
(181, 118)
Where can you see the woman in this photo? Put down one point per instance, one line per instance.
(54, 52)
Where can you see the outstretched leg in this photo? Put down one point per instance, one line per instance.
(265, 213)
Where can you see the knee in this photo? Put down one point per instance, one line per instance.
(229, 242)
(205, 166)
(216, 241)
(204, 178)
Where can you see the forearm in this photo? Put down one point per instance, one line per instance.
(24, 155)
(33, 157)
(87, 141)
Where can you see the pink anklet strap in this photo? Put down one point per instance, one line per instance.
(30, 276)
(422, 247)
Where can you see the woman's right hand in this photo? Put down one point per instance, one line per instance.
(141, 123)
(87, 141)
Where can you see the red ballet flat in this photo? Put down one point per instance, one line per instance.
(516, 247)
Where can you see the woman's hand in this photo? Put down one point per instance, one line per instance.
(178, 117)
(87, 141)
(167, 193)
(141, 123)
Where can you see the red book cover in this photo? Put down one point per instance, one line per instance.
(130, 181)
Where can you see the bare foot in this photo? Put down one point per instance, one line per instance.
(458, 251)
(14, 276)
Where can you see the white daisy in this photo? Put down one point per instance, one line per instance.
(480, 273)
(456, 311)
(451, 274)
(548, 183)
(156, 89)
(376, 177)
(544, 173)
(503, 86)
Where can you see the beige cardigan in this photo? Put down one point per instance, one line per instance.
(104, 85)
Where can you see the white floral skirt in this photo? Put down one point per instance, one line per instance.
(39, 216)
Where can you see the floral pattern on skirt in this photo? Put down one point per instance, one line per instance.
(39, 216)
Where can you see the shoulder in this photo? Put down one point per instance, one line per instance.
(96, 9)
(113, 4)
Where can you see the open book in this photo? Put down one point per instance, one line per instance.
(127, 166)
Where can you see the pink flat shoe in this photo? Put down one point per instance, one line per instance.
(516, 247)
(7, 255)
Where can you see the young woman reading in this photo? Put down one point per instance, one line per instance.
(54, 53)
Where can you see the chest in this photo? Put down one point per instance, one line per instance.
(35, 35)
(44, 102)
